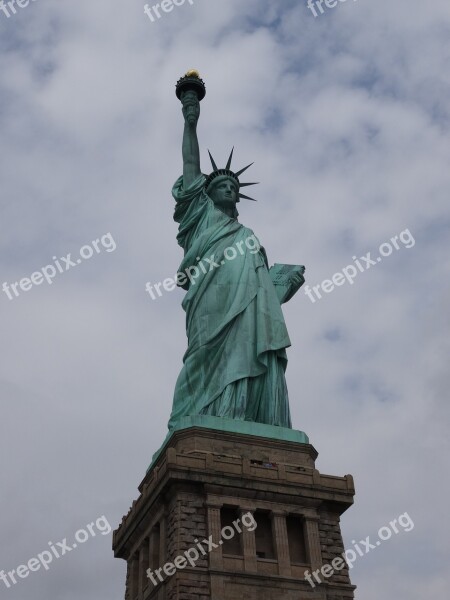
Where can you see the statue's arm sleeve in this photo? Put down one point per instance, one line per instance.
(191, 154)
(192, 209)
(264, 255)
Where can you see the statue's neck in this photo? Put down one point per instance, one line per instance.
(228, 211)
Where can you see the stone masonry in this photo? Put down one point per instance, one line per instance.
(201, 476)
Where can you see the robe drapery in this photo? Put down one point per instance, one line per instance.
(236, 359)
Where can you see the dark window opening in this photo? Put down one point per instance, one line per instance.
(228, 516)
(296, 539)
(155, 537)
(264, 535)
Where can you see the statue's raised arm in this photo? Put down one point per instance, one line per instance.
(190, 90)
(191, 151)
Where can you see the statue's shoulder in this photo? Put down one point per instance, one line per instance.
(183, 192)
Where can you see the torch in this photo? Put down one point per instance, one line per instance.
(191, 82)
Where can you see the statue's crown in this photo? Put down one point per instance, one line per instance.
(227, 172)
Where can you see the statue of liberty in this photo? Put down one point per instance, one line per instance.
(235, 362)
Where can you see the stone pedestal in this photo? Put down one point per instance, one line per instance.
(280, 515)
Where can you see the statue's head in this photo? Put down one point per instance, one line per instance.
(223, 187)
(224, 192)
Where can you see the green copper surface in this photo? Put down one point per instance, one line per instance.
(234, 365)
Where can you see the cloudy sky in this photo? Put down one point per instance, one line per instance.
(347, 117)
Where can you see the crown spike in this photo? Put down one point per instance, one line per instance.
(244, 169)
(247, 197)
(245, 184)
(229, 160)
(214, 166)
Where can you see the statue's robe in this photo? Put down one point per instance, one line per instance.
(236, 359)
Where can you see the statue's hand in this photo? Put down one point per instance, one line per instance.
(191, 107)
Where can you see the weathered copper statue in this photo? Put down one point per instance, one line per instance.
(236, 357)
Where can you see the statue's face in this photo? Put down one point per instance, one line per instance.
(224, 192)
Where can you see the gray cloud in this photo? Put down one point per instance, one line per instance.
(346, 117)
